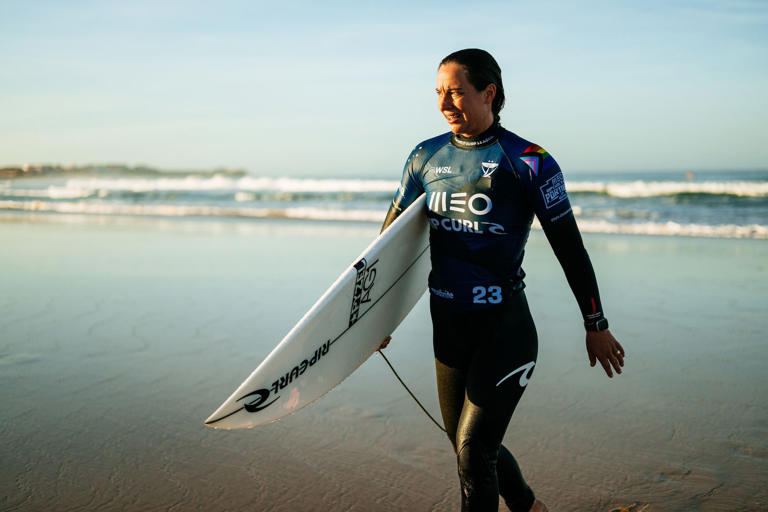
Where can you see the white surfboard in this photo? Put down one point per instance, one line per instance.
(344, 327)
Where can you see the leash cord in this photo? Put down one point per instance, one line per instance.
(409, 391)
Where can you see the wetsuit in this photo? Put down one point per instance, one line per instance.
(482, 194)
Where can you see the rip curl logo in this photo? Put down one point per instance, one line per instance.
(553, 190)
(257, 400)
(366, 275)
(488, 168)
(467, 226)
(258, 397)
(526, 370)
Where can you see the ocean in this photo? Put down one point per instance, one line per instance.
(721, 204)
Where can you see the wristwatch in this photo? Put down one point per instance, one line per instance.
(596, 326)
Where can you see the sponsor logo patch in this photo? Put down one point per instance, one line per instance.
(467, 226)
(488, 168)
(553, 190)
(440, 202)
(441, 293)
(440, 170)
(532, 162)
(525, 374)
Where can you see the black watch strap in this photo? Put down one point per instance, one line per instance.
(597, 325)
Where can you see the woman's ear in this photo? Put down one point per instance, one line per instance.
(490, 93)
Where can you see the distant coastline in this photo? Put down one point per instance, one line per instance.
(108, 170)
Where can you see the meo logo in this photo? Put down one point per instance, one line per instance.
(479, 204)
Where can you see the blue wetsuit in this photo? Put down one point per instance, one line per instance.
(482, 194)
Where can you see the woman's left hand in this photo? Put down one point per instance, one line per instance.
(603, 347)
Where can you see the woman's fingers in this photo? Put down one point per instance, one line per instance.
(603, 347)
(385, 342)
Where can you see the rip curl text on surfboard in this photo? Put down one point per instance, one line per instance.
(299, 369)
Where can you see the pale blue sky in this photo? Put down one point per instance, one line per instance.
(343, 88)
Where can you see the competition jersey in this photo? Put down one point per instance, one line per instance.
(482, 194)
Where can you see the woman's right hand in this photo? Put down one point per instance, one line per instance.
(602, 347)
(385, 342)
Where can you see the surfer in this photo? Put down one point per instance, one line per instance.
(484, 184)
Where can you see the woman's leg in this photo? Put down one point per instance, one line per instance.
(483, 361)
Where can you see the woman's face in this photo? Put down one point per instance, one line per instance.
(467, 110)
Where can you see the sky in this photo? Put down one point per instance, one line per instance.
(348, 88)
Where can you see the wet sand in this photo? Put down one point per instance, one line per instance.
(118, 337)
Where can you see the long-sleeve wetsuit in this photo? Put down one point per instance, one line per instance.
(482, 194)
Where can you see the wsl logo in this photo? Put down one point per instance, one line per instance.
(366, 275)
(440, 169)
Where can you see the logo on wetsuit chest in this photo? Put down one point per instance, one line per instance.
(440, 170)
(478, 204)
(440, 202)
(488, 168)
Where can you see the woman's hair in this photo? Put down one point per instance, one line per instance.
(482, 69)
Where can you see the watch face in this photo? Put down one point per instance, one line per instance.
(602, 324)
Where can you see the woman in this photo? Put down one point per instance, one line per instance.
(483, 185)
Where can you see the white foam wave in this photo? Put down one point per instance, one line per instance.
(756, 231)
(308, 213)
(50, 193)
(85, 187)
(223, 183)
(666, 188)
(159, 210)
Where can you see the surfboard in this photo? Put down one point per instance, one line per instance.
(341, 330)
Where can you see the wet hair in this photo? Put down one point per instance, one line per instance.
(482, 69)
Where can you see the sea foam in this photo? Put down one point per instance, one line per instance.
(364, 215)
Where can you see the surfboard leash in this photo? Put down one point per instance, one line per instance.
(409, 391)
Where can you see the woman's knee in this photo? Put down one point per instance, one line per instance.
(476, 461)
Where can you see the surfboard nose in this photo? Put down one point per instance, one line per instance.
(219, 418)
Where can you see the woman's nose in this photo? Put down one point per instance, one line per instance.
(444, 101)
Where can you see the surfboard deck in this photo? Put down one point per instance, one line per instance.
(341, 330)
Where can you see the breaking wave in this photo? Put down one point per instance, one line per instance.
(366, 215)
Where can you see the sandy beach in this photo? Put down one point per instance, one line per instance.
(119, 336)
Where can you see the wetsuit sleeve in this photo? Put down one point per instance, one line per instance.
(409, 190)
(566, 242)
(545, 188)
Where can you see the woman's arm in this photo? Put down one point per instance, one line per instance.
(565, 239)
(544, 186)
